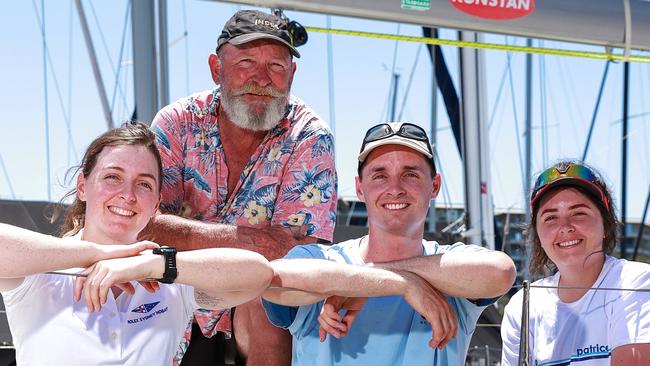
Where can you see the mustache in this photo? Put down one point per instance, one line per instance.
(252, 88)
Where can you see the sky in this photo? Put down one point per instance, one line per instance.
(564, 95)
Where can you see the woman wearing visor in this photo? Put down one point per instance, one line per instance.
(119, 321)
(582, 318)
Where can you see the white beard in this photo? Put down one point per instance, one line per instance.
(242, 115)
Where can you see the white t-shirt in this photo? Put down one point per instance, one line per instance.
(586, 331)
(49, 328)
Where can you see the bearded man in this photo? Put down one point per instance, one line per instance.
(246, 165)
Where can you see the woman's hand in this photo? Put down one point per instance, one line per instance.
(126, 250)
(116, 272)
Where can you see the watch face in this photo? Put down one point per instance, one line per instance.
(164, 249)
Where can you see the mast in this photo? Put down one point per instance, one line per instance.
(162, 53)
(478, 203)
(626, 105)
(434, 131)
(145, 74)
(528, 130)
(528, 136)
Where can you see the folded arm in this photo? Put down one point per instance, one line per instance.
(221, 278)
(26, 252)
(185, 234)
(305, 281)
(464, 274)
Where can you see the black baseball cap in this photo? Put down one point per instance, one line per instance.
(250, 25)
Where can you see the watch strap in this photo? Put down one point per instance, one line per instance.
(169, 254)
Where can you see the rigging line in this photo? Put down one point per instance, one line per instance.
(642, 81)
(176, 40)
(498, 98)
(330, 78)
(392, 71)
(101, 36)
(639, 235)
(69, 105)
(119, 59)
(496, 104)
(543, 123)
(630, 117)
(506, 231)
(593, 116)
(127, 113)
(542, 100)
(59, 95)
(587, 288)
(544, 113)
(7, 178)
(384, 110)
(633, 133)
(487, 46)
(445, 191)
(551, 100)
(524, 184)
(187, 51)
(393, 100)
(645, 137)
(410, 81)
(496, 133)
(567, 110)
(41, 21)
(94, 63)
(570, 93)
(393, 89)
(499, 185)
(498, 182)
(330, 85)
(106, 50)
(494, 111)
(608, 146)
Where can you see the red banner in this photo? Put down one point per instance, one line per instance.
(495, 9)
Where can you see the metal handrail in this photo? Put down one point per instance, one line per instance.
(525, 324)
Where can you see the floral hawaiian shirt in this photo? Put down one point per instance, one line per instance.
(290, 180)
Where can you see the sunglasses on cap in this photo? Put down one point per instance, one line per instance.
(406, 130)
(577, 174)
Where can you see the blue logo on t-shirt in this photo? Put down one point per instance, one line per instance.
(145, 308)
(590, 352)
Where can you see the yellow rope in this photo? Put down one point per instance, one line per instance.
(484, 46)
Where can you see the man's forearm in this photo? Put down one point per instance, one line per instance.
(184, 234)
(304, 281)
(466, 275)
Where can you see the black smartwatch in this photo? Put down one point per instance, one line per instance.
(170, 263)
